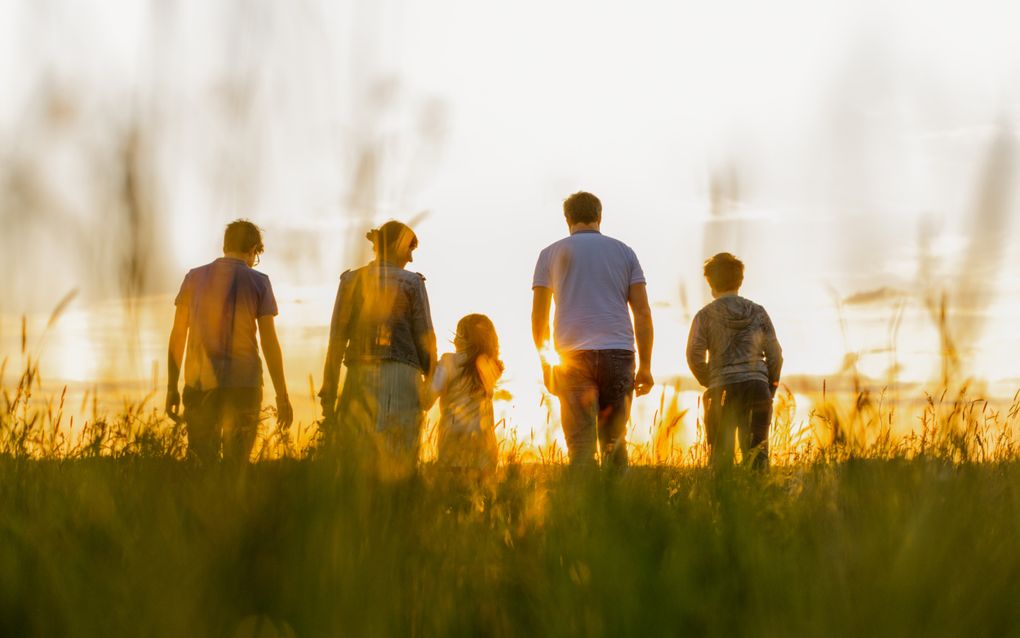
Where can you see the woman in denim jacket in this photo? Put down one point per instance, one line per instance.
(382, 331)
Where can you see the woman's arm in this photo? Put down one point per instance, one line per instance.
(422, 330)
(339, 334)
(436, 386)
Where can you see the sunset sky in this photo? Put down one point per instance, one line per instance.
(865, 147)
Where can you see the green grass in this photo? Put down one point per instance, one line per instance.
(109, 532)
(152, 546)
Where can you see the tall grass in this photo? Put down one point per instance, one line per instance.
(151, 546)
(948, 424)
(112, 532)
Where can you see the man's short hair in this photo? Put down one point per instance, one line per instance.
(582, 208)
(724, 272)
(241, 236)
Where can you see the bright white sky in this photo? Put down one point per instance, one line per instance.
(834, 129)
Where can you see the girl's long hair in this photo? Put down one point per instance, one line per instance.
(476, 339)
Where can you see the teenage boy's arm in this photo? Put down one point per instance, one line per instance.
(175, 357)
(697, 345)
(274, 361)
(644, 333)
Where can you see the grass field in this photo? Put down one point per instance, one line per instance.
(111, 532)
(151, 546)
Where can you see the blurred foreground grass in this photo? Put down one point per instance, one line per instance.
(155, 546)
(106, 530)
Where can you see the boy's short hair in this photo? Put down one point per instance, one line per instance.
(241, 236)
(582, 208)
(724, 272)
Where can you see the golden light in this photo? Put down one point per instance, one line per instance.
(315, 215)
(549, 355)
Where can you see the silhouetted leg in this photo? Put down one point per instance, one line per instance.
(241, 412)
(399, 419)
(616, 392)
(202, 418)
(579, 401)
(357, 415)
(758, 402)
(720, 413)
(740, 403)
(709, 403)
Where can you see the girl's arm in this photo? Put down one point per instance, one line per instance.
(437, 385)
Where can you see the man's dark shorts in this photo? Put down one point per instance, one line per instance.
(595, 388)
(743, 408)
(222, 415)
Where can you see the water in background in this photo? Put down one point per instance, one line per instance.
(869, 186)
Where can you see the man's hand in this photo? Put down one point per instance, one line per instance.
(284, 411)
(643, 382)
(549, 377)
(644, 334)
(328, 404)
(173, 403)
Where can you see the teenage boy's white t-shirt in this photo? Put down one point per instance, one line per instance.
(590, 276)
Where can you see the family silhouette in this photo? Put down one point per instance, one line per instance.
(596, 359)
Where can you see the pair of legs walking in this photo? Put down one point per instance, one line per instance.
(380, 414)
(595, 388)
(227, 417)
(744, 409)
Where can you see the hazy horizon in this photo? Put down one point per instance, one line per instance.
(860, 159)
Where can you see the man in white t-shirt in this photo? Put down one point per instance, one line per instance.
(596, 282)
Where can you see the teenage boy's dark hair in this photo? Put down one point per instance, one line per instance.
(241, 236)
(582, 208)
(724, 272)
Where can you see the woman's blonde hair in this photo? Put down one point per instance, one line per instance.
(388, 238)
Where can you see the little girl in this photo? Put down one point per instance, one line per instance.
(464, 382)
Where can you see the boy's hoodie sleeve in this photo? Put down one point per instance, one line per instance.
(773, 353)
(697, 346)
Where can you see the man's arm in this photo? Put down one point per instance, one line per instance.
(773, 355)
(175, 358)
(644, 333)
(339, 333)
(540, 304)
(274, 361)
(697, 346)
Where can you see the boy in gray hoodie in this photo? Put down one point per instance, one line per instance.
(733, 351)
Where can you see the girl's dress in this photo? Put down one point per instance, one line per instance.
(467, 432)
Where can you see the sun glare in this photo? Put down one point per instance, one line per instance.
(549, 355)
